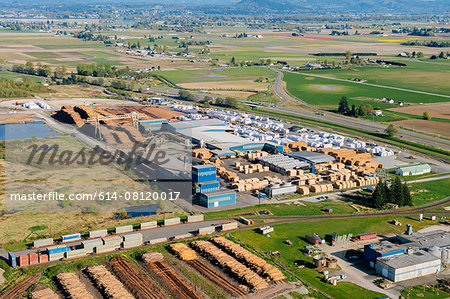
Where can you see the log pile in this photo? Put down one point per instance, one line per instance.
(106, 282)
(68, 115)
(72, 286)
(230, 264)
(152, 257)
(252, 261)
(43, 294)
(183, 252)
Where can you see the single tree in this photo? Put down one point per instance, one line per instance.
(426, 115)
(396, 192)
(391, 130)
(343, 107)
(379, 196)
(407, 199)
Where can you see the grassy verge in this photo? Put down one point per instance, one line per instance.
(427, 192)
(424, 291)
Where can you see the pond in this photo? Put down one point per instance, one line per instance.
(27, 130)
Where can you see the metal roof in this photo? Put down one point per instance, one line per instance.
(406, 260)
(312, 157)
(415, 168)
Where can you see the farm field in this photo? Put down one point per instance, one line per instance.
(437, 110)
(328, 92)
(422, 76)
(295, 232)
(427, 126)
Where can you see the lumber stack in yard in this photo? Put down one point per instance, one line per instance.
(107, 283)
(168, 277)
(136, 280)
(19, 289)
(230, 264)
(183, 252)
(254, 262)
(45, 293)
(72, 286)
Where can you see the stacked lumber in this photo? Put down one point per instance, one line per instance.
(183, 252)
(202, 153)
(226, 174)
(46, 293)
(110, 286)
(230, 264)
(152, 257)
(72, 286)
(254, 262)
(257, 154)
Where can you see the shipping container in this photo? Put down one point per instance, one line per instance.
(43, 242)
(124, 229)
(105, 248)
(183, 236)
(57, 249)
(159, 240)
(148, 225)
(33, 258)
(229, 226)
(98, 233)
(246, 221)
(112, 240)
(12, 259)
(133, 237)
(76, 253)
(43, 258)
(265, 230)
(131, 244)
(206, 230)
(195, 218)
(172, 221)
(89, 245)
(367, 236)
(24, 260)
(56, 256)
(72, 237)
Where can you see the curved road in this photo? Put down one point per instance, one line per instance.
(348, 121)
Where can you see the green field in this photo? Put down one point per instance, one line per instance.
(14, 76)
(432, 191)
(328, 92)
(216, 74)
(264, 97)
(308, 209)
(295, 232)
(429, 77)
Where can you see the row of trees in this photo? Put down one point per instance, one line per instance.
(11, 88)
(397, 193)
(226, 102)
(345, 109)
(242, 63)
(29, 68)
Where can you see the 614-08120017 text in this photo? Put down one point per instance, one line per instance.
(104, 196)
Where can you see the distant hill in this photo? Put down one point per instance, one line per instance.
(346, 6)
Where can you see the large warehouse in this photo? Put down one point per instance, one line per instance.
(312, 158)
(213, 133)
(417, 255)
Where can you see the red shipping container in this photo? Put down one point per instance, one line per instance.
(368, 236)
(43, 258)
(24, 260)
(33, 258)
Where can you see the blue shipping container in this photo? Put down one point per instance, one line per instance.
(71, 237)
(12, 259)
(58, 250)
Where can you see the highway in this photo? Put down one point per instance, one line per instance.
(345, 120)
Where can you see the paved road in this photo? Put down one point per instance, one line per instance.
(348, 121)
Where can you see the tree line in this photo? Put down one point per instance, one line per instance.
(397, 193)
(345, 109)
